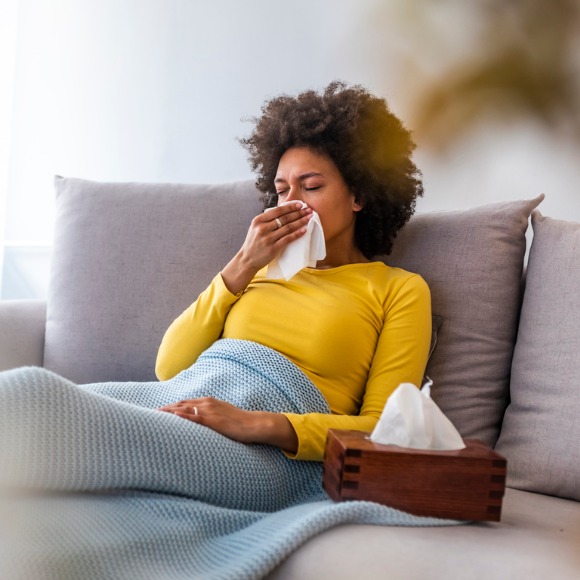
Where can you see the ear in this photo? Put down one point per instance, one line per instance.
(357, 206)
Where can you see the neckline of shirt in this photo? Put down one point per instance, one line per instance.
(358, 265)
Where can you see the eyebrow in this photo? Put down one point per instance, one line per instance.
(301, 177)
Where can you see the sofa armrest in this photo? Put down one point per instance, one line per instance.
(22, 326)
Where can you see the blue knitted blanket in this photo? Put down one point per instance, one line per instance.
(97, 483)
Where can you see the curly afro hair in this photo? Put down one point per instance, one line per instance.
(369, 145)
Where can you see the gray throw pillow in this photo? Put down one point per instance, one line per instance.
(472, 261)
(127, 259)
(541, 429)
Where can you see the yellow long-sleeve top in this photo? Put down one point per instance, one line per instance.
(357, 332)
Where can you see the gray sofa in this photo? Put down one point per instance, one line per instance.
(129, 257)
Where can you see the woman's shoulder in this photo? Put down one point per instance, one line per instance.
(381, 280)
(394, 280)
(382, 273)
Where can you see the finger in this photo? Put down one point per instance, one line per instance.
(171, 407)
(188, 411)
(292, 210)
(187, 405)
(292, 229)
(188, 416)
(287, 239)
(286, 213)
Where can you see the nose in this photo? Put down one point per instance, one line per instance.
(294, 194)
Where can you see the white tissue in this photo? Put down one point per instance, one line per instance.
(411, 419)
(301, 253)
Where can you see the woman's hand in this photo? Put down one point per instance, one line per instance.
(268, 235)
(271, 231)
(237, 424)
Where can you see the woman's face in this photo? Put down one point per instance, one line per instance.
(311, 177)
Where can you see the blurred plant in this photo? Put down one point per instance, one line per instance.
(515, 60)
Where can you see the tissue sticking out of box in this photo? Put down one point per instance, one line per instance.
(411, 419)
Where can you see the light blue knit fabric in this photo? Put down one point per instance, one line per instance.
(131, 492)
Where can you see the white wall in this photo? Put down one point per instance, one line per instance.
(499, 163)
(155, 90)
(8, 29)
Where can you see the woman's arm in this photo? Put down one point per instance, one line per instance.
(198, 327)
(400, 356)
(195, 330)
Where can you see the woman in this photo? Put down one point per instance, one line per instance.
(257, 360)
(355, 327)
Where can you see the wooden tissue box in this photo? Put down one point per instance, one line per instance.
(468, 484)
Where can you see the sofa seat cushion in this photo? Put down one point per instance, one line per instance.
(538, 538)
(472, 261)
(541, 431)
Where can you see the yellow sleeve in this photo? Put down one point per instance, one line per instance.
(400, 356)
(195, 330)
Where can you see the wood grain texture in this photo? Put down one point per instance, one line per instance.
(468, 484)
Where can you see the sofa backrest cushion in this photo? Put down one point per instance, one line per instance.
(472, 261)
(127, 259)
(541, 430)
